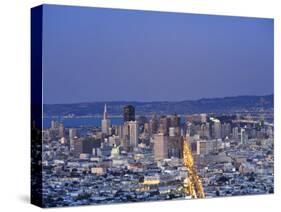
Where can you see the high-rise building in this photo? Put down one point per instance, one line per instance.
(61, 130)
(120, 131)
(126, 130)
(164, 124)
(129, 113)
(204, 131)
(175, 146)
(142, 120)
(203, 117)
(160, 146)
(72, 135)
(125, 136)
(85, 146)
(202, 147)
(216, 128)
(105, 122)
(133, 133)
(244, 136)
(225, 130)
(78, 147)
(235, 134)
(153, 125)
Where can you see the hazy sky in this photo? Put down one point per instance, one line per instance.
(92, 54)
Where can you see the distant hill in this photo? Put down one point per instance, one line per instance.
(215, 105)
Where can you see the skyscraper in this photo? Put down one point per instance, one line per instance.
(129, 113)
(174, 146)
(105, 122)
(61, 130)
(153, 125)
(72, 134)
(235, 134)
(225, 130)
(243, 137)
(216, 128)
(164, 124)
(160, 146)
(133, 133)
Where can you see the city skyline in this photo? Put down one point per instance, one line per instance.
(132, 106)
(171, 57)
(163, 158)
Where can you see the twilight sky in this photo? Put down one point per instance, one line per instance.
(92, 54)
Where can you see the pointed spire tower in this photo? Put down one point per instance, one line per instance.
(105, 122)
(104, 112)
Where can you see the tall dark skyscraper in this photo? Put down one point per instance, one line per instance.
(129, 113)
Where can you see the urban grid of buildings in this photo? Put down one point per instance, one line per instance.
(142, 158)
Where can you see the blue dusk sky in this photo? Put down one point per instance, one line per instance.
(95, 54)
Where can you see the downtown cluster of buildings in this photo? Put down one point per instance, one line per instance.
(141, 159)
